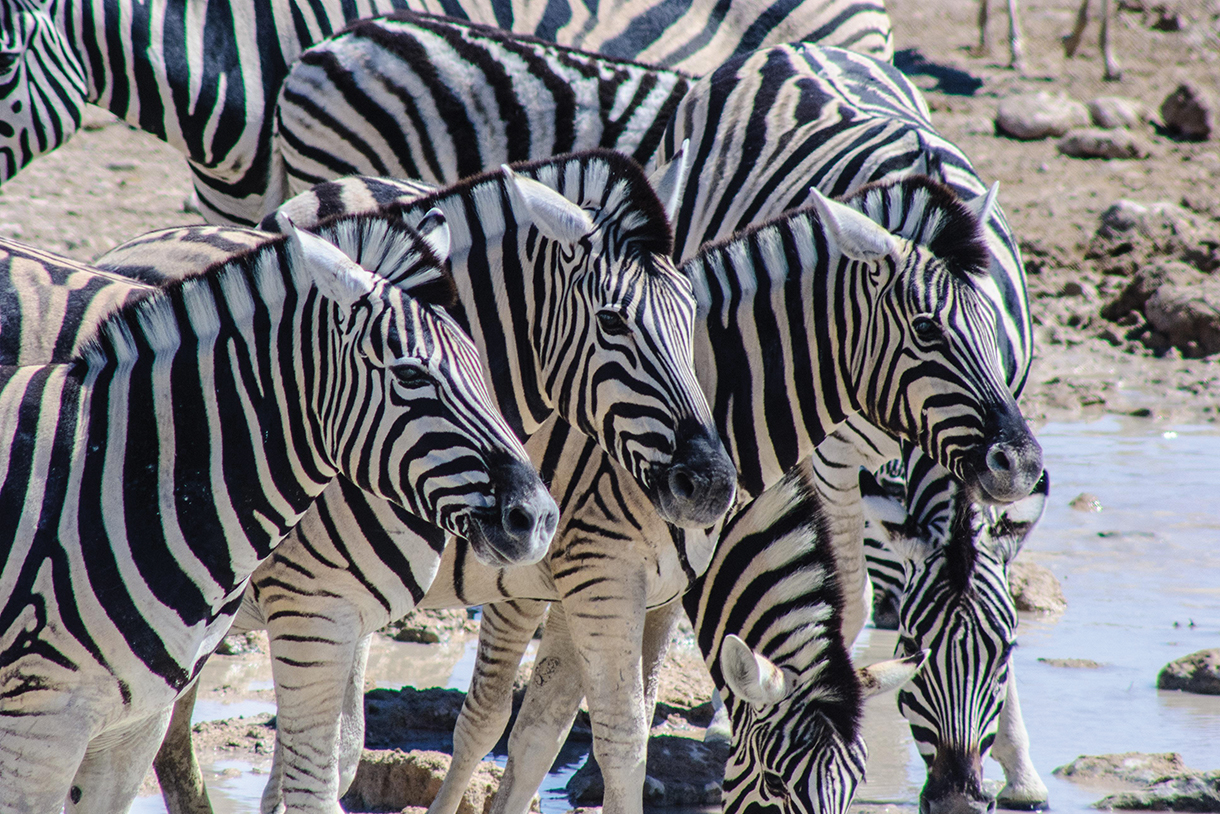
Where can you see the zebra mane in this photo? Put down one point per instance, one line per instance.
(381, 244)
(785, 530)
(930, 213)
(630, 210)
(961, 549)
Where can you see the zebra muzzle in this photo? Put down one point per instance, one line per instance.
(698, 485)
(519, 528)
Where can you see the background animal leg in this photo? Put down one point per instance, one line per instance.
(178, 772)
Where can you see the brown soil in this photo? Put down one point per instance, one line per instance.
(111, 183)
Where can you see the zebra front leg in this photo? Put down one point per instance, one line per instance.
(504, 633)
(312, 675)
(659, 626)
(983, 48)
(1072, 41)
(178, 772)
(351, 724)
(1016, 51)
(546, 716)
(1113, 72)
(1023, 788)
(114, 765)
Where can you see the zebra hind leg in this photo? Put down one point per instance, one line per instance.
(1016, 51)
(1023, 788)
(504, 633)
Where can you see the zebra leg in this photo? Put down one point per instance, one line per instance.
(504, 633)
(182, 786)
(546, 716)
(1023, 788)
(351, 724)
(114, 765)
(1113, 72)
(983, 47)
(659, 626)
(1072, 41)
(312, 676)
(1016, 56)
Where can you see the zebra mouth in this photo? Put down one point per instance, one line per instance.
(518, 529)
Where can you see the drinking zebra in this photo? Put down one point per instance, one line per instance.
(956, 591)
(204, 77)
(135, 505)
(760, 130)
(794, 276)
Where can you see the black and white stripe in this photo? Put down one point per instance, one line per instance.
(136, 504)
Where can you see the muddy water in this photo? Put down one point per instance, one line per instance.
(1142, 580)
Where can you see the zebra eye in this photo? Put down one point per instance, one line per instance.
(613, 322)
(8, 59)
(908, 646)
(774, 784)
(925, 327)
(411, 375)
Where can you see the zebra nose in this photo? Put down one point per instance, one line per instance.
(524, 518)
(519, 528)
(700, 482)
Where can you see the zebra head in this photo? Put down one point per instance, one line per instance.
(42, 85)
(615, 346)
(402, 404)
(956, 605)
(928, 367)
(767, 614)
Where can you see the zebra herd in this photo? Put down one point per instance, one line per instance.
(706, 359)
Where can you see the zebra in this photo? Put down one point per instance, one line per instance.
(1071, 42)
(806, 235)
(601, 334)
(956, 604)
(203, 78)
(762, 129)
(135, 505)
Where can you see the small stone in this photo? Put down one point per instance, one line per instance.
(1113, 112)
(393, 780)
(1146, 281)
(1198, 673)
(1071, 289)
(1039, 115)
(1086, 502)
(1094, 142)
(1034, 588)
(1188, 315)
(1074, 664)
(1134, 768)
(432, 626)
(1191, 792)
(680, 772)
(1189, 112)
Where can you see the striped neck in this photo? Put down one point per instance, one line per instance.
(774, 349)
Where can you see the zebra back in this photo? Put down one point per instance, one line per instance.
(430, 98)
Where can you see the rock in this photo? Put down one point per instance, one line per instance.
(432, 626)
(1112, 112)
(1034, 588)
(1192, 792)
(1094, 142)
(241, 644)
(1133, 768)
(1187, 315)
(1189, 112)
(1199, 673)
(1073, 664)
(389, 714)
(681, 772)
(1146, 281)
(1131, 233)
(1039, 115)
(393, 780)
(1086, 502)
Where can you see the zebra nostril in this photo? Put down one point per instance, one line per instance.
(518, 521)
(998, 460)
(681, 484)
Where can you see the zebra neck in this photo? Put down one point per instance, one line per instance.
(180, 385)
(773, 349)
(499, 273)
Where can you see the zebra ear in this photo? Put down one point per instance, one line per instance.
(336, 275)
(670, 181)
(889, 675)
(554, 215)
(1007, 533)
(857, 236)
(749, 676)
(981, 206)
(435, 231)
